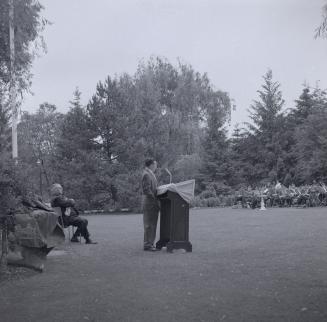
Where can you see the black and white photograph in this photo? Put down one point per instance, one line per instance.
(163, 160)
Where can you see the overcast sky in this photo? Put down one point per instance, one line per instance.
(234, 41)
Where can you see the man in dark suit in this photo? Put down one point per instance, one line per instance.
(150, 204)
(59, 200)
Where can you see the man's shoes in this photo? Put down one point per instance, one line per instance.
(151, 249)
(90, 241)
(74, 240)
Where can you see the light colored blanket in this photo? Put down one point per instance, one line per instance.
(185, 189)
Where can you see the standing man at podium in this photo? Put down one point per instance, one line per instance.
(150, 204)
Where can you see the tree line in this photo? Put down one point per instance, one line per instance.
(172, 113)
(97, 151)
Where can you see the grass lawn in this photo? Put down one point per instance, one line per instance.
(246, 265)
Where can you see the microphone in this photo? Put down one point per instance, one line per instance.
(170, 175)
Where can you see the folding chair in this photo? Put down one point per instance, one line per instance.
(70, 229)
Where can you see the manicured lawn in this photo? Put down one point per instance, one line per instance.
(246, 265)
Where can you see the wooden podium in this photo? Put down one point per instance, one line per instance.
(174, 222)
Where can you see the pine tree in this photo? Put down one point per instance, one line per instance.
(75, 133)
(310, 148)
(267, 118)
(304, 106)
(265, 111)
(215, 145)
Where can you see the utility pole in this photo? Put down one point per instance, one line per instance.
(12, 93)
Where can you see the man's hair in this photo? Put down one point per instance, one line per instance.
(56, 190)
(148, 162)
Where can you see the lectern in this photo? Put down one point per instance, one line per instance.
(174, 222)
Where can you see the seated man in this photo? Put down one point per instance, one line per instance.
(59, 200)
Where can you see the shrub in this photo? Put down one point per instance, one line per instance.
(213, 202)
(195, 202)
(206, 194)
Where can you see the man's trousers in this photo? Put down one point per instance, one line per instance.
(78, 222)
(150, 220)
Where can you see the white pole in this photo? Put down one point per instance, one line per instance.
(262, 204)
(12, 93)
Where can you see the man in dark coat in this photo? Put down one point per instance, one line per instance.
(150, 204)
(59, 200)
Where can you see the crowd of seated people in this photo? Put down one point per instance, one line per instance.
(278, 195)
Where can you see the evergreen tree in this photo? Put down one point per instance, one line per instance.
(267, 121)
(216, 166)
(75, 134)
(310, 149)
(238, 157)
